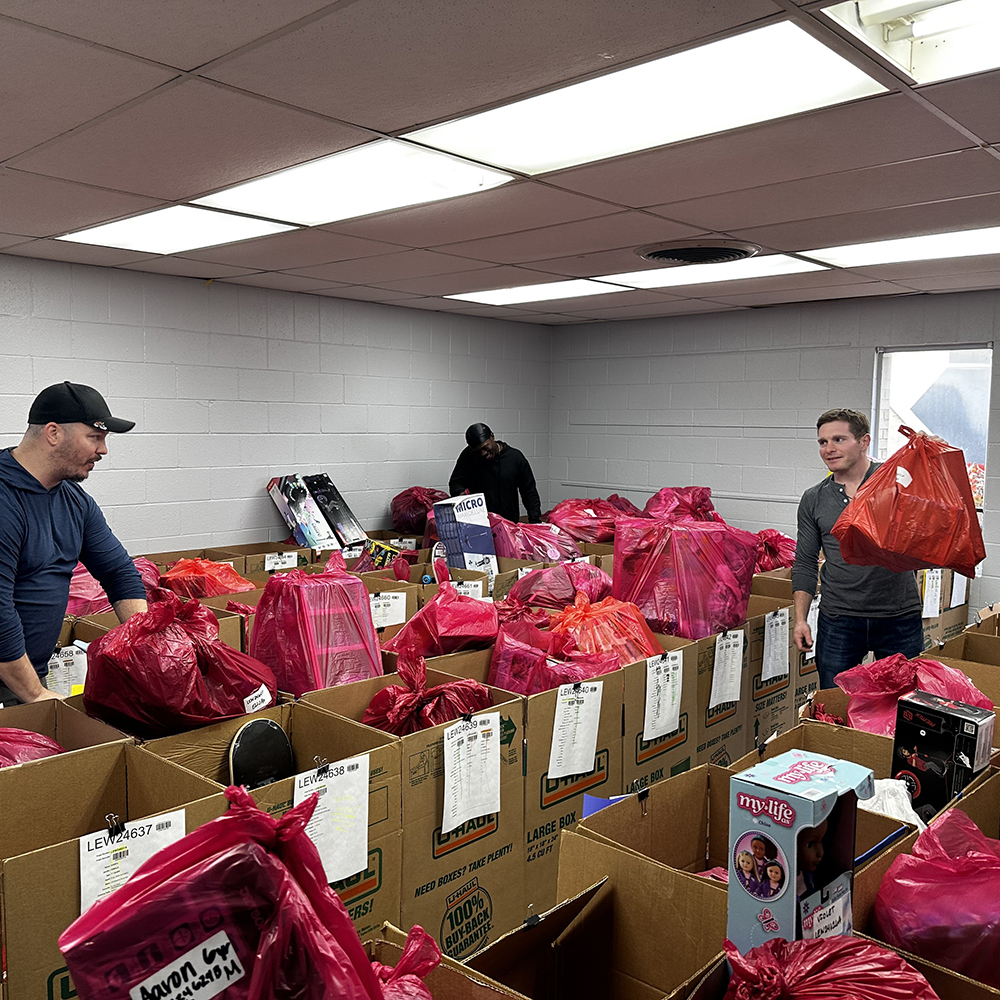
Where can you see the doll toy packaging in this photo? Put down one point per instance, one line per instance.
(791, 847)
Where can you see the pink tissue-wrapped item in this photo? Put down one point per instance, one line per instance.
(683, 503)
(557, 586)
(540, 542)
(591, 520)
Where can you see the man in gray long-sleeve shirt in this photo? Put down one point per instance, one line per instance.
(863, 607)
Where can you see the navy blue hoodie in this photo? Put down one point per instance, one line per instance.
(43, 534)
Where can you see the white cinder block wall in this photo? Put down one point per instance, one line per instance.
(730, 400)
(230, 385)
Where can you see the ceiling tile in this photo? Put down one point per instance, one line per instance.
(186, 268)
(971, 101)
(878, 130)
(550, 319)
(954, 282)
(10, 240)
(679, 307)
(935, 178)
(441, 59)
(469, 281)
(586, 303)
(285, 282)
(813, 294)
(44, 206)
(809, 279)
(78, 253)
(183, 33)
(390, 267)
(587, 265)
(188, 139)
(365, 294)
(930, 268)
(295, 249)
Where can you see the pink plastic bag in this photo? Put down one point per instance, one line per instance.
(243, 898)
(315, 630)
(942, 902)
(557, 586)
(775, 551)
(410, 508)
(518, 650)
(420, 955)
(688, 578)
(875, 688)
(686, 503)
(87, 597)
(18, 746)
(591, 520)
(607, 627)
(204, 578)
(512, 610)
(541, 542)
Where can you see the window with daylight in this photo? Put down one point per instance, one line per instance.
(942, 392)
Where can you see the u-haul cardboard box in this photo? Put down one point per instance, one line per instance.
(773, 708)
(946, 605)
(723, 728)
(269, 557)
(72, 730)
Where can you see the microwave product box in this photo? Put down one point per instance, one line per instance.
(773, 702)
(940, 746)
(463, 525)
(299, 510)
(334, 509)
(792, 824)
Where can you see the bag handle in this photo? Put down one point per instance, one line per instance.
(907, 432)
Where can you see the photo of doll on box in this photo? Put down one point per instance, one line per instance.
(759, 866)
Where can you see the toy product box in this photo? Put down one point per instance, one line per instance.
(792, 823)
(463, 525)
(304, 519)
(334, 509)
(940, 746)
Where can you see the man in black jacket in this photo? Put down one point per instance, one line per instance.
(498, 471)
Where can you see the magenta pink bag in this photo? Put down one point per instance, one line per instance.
(18, 746)
(557, 586)
(591, 520)
(87, 597)
(775, 551)
(420, 955)
(685, 503)
(410, 508)
(540, 542)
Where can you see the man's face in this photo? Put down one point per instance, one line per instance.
(79, 449)
(488, 449)
(839, 448)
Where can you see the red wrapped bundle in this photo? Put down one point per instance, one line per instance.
(87, 597)
(916, 511)
(410, 509)
(180, 919)
(315, 630)
(239, 608)
(874, 689)
(447, 623)
(683, 503)
(18, 746)
(420, 955)
(942, 902)
(430, 532)
(541, 542)
(165, 670)
(688, 578)
(518, 650)
(204, 578)
(827, 968)
(412, 706)
(775, 551)
(820, 714)
(557, 586)
(401, 568)
(607, 627)
(512, 610)
(591, 520)
(549, 674)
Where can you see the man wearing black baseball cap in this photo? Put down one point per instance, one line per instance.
(499, 472)
(47, 525)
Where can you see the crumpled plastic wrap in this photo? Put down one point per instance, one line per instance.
(18, 746)
(203, 578)
(610, 626)
(557, 586)
(87, 597)
(591, 520)
(683, 503)
(410, 508)
(688, 578)
(915, 511)
(420, 955)
(512, 610)
(539, 542)
(892, 798)
(775, 551)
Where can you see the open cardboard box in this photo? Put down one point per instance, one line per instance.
(508, 573)
(71, 729)
(167, 559)
(269, 557)
(773, 707)
(469, 582)
(91, 627)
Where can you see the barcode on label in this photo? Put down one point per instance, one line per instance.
(163, 826)
(118, 853)
(352, 767)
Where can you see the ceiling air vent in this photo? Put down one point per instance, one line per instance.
(697, 251)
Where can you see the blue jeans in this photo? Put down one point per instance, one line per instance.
(843, 642)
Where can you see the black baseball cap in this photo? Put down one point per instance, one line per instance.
(477, 434)
(72, 403)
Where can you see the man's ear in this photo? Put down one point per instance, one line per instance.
(52, 433)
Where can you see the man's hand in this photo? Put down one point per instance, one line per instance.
(803, 637)
(44, 695)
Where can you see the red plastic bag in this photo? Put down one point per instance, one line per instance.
(942, 902)
(401, 568)
(548, 673)
(87, 597)
(512, 610)
(447, 623)
(828, 968)
(18, 746)
(410, 508)
(409, 707)
(519, 648)
(204, 578)
(315, 630)
(430, 532)
(915, 512)
(557, 586)
(591, 520)
(541, 542)
(875, 688)
(688, 578)
(420, 955)
(685, 503)
(775, 551)
(244, 898)
(607, 627)
(165, 670)
(239, 608)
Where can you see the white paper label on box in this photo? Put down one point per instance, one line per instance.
(932, 593)
(261, 698)
(832, 919)
(107, 861)
(280, 560)
(727, 676)
(327, 545)
(523, 571)
(959, 584)
(984, 744)
(664, 686)
(469, 588)
(388, 608)
(574, 730)
(67, 671)
(339, 826)
(352, 551)
(404, 543)
(471, 770)
(211, 968)
(813, 620)
(579, 559)
(775, 645)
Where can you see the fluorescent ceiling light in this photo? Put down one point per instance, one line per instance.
(574, 289)
(376, 177)
(966, 243)
(174, 230)
(700, 274)
(763, 74)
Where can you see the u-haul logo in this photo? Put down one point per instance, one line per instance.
(61, 986)
(776, 809)
(807, 666)
(365, 883)
(721, 713)
(648, 749)
(764, 689)
(556, 790)
(467, 833)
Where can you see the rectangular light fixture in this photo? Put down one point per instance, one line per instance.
(701, 274)
(573, 289)
(767, 73)
(375, 177)
(937, 246)
(174, 230)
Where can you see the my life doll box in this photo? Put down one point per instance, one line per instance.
(940, 746)
(791, 847)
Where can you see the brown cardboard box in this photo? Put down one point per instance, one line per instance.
(371, 896)
(46, 811)
(478, 864)
(776, 584)
(723, 733)
(973, 647)
(605, 553)
(397, 539)
(71, 729)
(469, 582)
(773, 708)
(165, 559)
(508, 573)
(986, 621)
(248, 597)
(269, 557)
(950, 621)
(805, 678)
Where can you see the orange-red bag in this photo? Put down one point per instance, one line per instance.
(915, 512)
